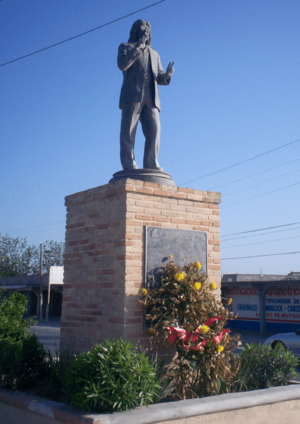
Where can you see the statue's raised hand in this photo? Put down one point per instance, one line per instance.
(170, 70)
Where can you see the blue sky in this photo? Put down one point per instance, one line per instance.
(235, 94)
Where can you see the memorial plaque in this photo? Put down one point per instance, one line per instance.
(185, 246)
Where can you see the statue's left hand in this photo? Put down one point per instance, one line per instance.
(170, 70)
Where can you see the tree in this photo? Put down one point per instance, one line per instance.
(19, 258)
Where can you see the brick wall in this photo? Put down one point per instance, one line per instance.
(104, 262)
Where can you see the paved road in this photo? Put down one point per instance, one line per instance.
(49, 335)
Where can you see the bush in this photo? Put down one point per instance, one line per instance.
(263, 367)
(52, 386)
(111, 377)
(185, 310)
(23, 360)
(12, 324)
(23, 363)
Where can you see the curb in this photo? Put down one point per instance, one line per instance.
(154, 413)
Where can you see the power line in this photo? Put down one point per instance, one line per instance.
(263, 234)
(260, 256)
(259, 195)
(253, 175)
(83, 33)
(259, 242)
(239, 163)
(262, 182)
(261, 229)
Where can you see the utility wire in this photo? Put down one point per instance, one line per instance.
(259, 242)
(261, 229)
(260, 256)
(263, 234)
(239, 163)
(83, 33)
(262, 182)
(253, 175)
(259, 195)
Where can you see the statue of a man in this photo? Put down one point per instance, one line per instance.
(139, 99)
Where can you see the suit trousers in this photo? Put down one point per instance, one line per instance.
(149, 117)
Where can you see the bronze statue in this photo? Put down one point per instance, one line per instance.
(139, 99)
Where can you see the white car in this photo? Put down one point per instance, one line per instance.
(290, 341)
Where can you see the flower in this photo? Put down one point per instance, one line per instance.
(212, 286)
(203, 329)
(197, 286)
(220, 349)
(179, 276)
(198, 264)
(170, 256)
(229, 301)
(144, 291)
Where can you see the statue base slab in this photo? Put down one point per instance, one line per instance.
(146, 174)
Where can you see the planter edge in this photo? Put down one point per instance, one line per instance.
(154, 413)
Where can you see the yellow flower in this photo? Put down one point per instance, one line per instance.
(199, 266)
(170, 256)
(144, 291)
(179, 276)
(229, 301)
(197, 286)
(203, 329)
(220, 349)
(212, 286)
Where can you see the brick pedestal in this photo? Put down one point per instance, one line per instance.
(104, 260)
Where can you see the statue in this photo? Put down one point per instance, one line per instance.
(139, 99)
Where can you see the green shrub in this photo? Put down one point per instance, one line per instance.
(111, 377)
(23, 363)
(52, 386)
(263, 367)
(23, 360)
(12, 324)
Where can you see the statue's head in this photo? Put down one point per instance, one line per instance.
(138, 29)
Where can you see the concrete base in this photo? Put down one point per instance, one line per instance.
(150, 175)
(277, 405)
(105, 248)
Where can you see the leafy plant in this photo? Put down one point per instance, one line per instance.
(22, 358)
(52, 386)
(186, 312)
(12, 324)
(263, 367)
(23, 363)
(111, 377)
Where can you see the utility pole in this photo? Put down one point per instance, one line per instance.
(1, 247)
(48, 297)
(41, 284)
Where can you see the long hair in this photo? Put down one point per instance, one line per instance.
(134, 30)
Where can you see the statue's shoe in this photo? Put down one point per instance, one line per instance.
(130, 167)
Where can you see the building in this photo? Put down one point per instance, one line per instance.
(263, 302)
(29, 285)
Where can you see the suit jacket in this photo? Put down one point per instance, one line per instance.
(133, 67)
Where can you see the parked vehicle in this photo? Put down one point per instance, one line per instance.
(290, 341)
